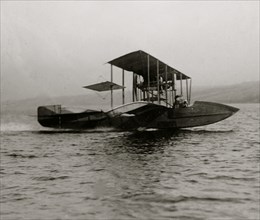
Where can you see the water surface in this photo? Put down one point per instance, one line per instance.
(209, 172)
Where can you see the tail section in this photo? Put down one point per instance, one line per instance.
(48, 116)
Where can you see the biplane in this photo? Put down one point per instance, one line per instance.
(160, 99)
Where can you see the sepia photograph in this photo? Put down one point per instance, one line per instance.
(123, 110)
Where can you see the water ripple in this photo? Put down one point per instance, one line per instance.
(210, 172)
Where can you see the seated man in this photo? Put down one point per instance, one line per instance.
(180, 102)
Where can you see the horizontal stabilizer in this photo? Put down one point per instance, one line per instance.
(104, 86)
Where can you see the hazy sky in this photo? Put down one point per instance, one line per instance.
(56, 47)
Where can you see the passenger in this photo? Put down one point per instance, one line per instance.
(176, 101)
(180, 102)
(184, 104)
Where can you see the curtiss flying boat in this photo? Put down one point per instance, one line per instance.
(155, 103)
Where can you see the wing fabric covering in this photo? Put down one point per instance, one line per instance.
(137, 62)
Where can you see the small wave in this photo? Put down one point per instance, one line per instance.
(19, 173)
(197, 174)
(86, 182)
(97, 169)
(50, 178)
(21, 155)
(178, 199)
(87, 198)
(232, 178)
(13, 198)
(221, 177)
(11, 187)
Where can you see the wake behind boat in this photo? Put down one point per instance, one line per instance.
(156, 101)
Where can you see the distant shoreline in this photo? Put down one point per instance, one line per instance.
(247, 92)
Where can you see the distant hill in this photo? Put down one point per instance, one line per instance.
(241, 93)
(247, 92)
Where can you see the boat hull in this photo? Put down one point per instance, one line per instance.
(139, 115)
